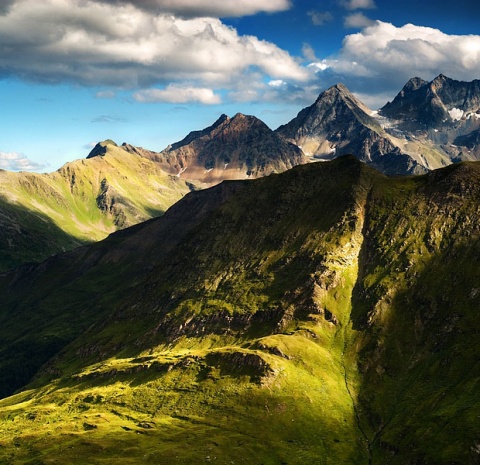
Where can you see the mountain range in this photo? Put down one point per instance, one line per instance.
(328, 314)
(251, 296)
(428, 125)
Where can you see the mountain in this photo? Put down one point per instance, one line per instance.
(436, 103)
(444, 111)
(325, 314)
(84, 201)
(232, 148)
(338, 124)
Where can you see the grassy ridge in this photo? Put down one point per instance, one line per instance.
(326, 315)
(84, 201)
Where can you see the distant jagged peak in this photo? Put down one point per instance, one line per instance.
(413, 84)
(431, 103)
(334, 109)
(100, 149)
(441, 78)
(335, 90)
(221, 121)
(339, 93)
(245, 122)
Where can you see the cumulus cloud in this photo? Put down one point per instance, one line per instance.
(13, 161)
(357, 4)
(382, 57)
(357, 20)
(178, 94)
(319, 18)
(212, 8)
(383, 49)
(117, 44)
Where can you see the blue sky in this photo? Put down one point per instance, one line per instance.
(146, 72)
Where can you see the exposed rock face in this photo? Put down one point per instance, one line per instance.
(232, 148)
(471, 142)
(338, 124)
(434, 103)
(444, 112)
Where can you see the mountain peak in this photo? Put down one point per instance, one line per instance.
(101, 148)
(232, 148)
(194, 135)
(414, 84)
(441, 78)
(335, 90)
(244, 122)
(432, 103)
(340, 87)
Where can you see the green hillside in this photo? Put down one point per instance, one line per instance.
(326, 315)
(82, 202)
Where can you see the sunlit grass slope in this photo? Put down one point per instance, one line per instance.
(326, 315)
(84, 201)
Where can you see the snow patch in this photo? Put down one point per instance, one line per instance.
(456, 114)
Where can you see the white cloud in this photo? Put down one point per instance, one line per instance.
(358, 4)
(212, 8)
(277, 83)
(117, 44)
(178, 94)
(392, 55)
(357, 20)
(13, 161)
(319, 65)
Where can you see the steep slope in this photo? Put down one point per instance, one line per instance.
(232, 148)
(435, 103)
(221, 313)
(317, 316)
(337, 124)
(416, 312)
(443, 111)
(84, 201)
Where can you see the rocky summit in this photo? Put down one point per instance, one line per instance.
(444, 112)
(338, 124)
(232, 148)
(328, 314)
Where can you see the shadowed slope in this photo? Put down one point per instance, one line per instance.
(84, 201)
(301, 318)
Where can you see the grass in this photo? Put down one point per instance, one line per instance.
(281, 328)
(82, 202)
